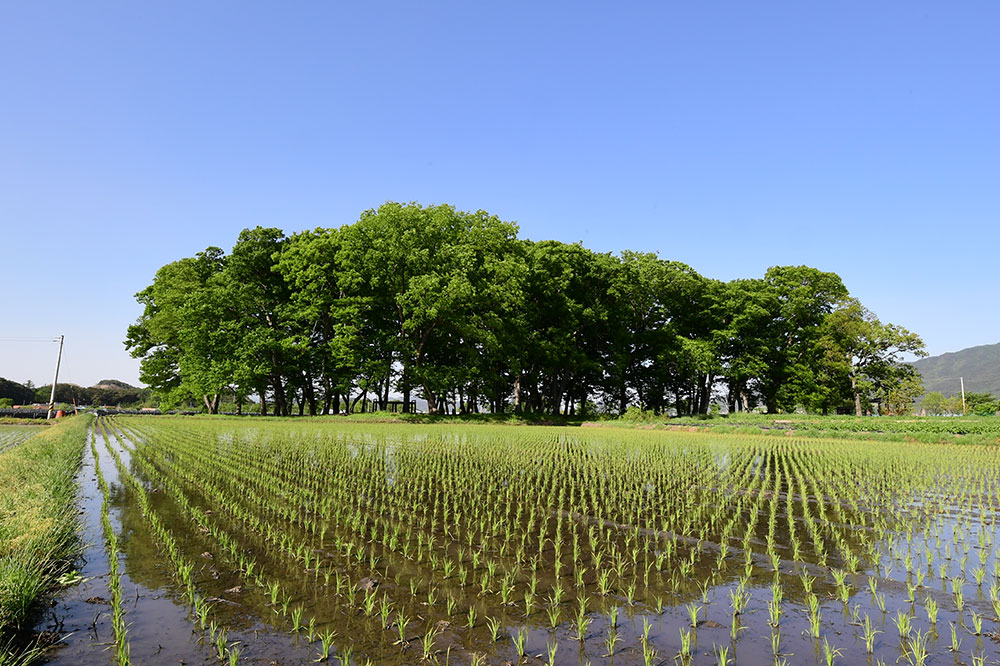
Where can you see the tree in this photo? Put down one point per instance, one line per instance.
(559, 360)
(981, 404)
(182, 335)
(933, 403)
(430, 281)
(262, 337)
(897, 396)
(332, 337)
(870, 353)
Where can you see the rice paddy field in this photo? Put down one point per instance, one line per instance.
(215, 540)
(12, 435)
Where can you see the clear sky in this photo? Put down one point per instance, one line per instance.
(857, 137)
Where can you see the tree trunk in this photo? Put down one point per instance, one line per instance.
(704, 394)
(263, 402)
(857, 395)
(309, 392)
(517, 395)
(280, 406)
(327, 395)
(431, 401)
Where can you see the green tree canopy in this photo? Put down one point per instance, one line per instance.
(451, 307)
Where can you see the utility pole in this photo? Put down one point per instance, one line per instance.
(55, 379)
(962, 379)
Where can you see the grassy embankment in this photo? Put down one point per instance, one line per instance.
(983, 430)
(38, 521)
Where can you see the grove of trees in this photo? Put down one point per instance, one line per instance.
(981, 404)
(454, 308)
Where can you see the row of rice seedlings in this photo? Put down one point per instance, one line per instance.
(115, 577)
(292, 476)
(300, 623)
(445, 565)
(471, 613)
(252, 574)
(183, 568)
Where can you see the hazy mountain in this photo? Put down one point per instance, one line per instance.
(979, 366)
(112, 383)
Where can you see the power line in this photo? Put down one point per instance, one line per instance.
(29, 339)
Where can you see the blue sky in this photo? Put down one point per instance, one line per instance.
(860, 138)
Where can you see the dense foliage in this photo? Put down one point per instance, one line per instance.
(454, 308)
(14, 393)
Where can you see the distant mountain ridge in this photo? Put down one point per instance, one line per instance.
(979, 366)
(106, 392)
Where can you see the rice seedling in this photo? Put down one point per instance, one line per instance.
(551, 647)
(325, 644)
(685, 651)
(519, 638)
(401, 623)
(956, 642)
(427, 642)
(610, 641)
(692, 611)
(916, 652)
(977, 623)
(903, 624)
(493, 623)
(814, 615)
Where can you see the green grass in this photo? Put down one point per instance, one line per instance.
(983, 430)
(38, 539)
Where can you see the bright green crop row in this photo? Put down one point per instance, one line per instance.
(985, 428)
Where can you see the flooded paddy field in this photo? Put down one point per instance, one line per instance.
(288, 542)
(12, 435)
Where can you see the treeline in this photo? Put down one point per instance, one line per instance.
(980, 404)
(454, 308)
(15, 393)
(106, 392)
